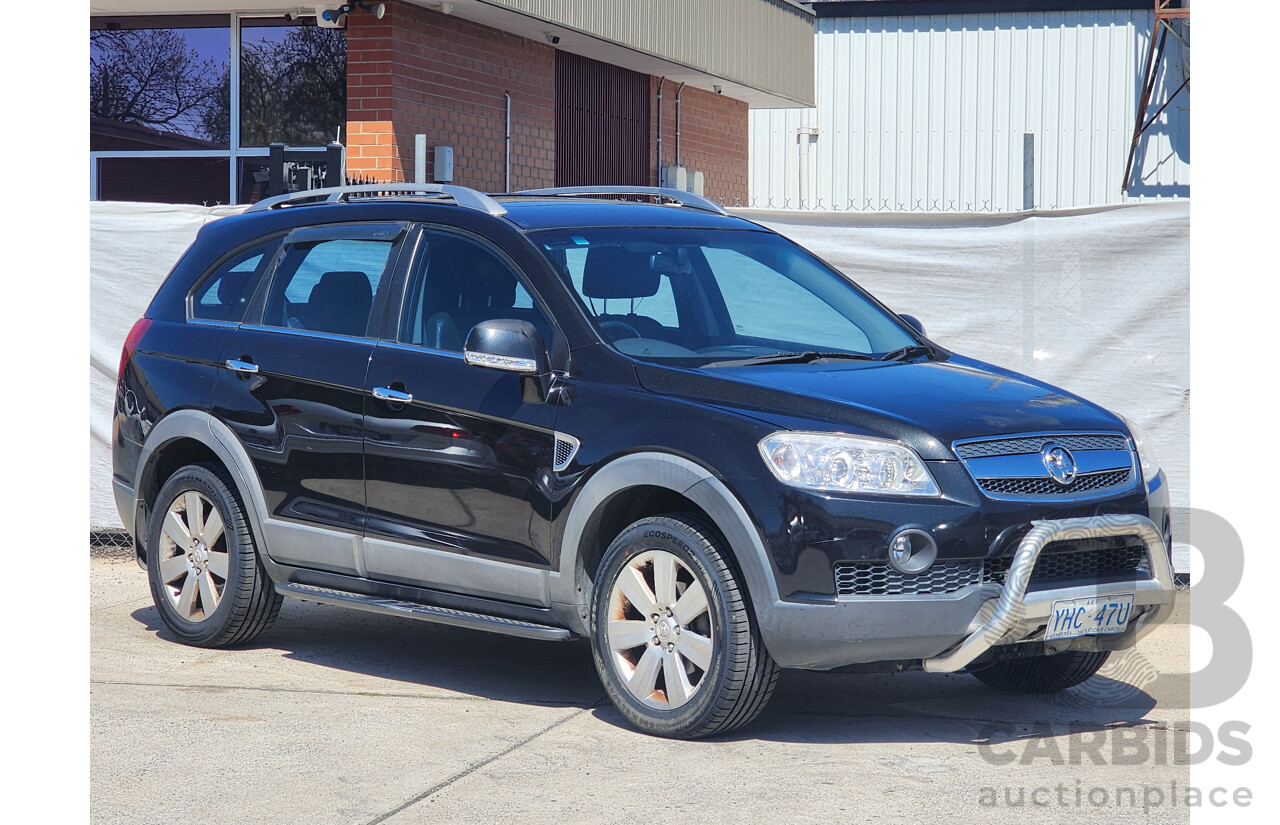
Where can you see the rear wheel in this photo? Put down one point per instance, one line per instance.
(1043, 674)
(207, 581)
(673, 638)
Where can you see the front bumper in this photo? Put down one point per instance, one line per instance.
(1018, 615)
(948, 632)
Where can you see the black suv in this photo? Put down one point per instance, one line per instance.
(567, 413)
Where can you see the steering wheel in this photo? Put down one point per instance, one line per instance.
(630, 331)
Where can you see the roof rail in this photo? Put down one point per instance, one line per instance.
(679, 197)
(461, 195)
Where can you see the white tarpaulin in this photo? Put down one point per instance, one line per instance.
(1096, 303)
(132, 247)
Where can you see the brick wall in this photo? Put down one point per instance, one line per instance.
(713, 139)
(418, 71)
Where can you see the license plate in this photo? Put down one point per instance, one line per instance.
(1094, 616)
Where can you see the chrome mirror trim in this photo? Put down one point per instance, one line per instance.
(501, 362)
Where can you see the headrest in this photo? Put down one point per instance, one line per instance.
(614, 272)
(343, 285)
(231, 287)
(465, 276)
(489, 284)
(340, 303)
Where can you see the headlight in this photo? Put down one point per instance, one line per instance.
(846, 464)
(1146, 454)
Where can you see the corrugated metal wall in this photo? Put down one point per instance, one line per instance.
(602, 123)
(928, 114)
(753, 42)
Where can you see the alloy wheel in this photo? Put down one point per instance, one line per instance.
(194, 561)
(659, 630)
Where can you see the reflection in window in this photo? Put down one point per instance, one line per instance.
(293, 83)
(161, 84)
(159, 87)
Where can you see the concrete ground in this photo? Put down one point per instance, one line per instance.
(337, 716)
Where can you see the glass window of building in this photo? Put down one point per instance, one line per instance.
(166, 124)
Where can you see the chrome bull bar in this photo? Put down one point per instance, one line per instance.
(1015, 610)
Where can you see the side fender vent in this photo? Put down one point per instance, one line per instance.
(566, 449)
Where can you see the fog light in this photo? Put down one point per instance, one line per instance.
(912, 551)
(900, 550)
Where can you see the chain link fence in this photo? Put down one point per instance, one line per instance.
(110, 542)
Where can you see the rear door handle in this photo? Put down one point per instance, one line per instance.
(388, 394)
(241, 366)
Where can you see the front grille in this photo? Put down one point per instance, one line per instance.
(1001, 467)
(1048, 487)
(1058, 561)
(1073, 563)
(1034, 444)
(860, 578)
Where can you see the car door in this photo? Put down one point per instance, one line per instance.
(456, 460)
(292, 388)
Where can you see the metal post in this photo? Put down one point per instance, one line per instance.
(233, 129)
(275, 170)
(802, 182)
(1028, 172)
(333, 165)
(506, 184)
(679, 160)
(1165, 10)
(419, 158)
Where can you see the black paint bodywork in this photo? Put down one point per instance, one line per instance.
(466, 468)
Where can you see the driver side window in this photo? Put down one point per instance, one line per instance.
(456, 284)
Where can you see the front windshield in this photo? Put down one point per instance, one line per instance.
(698, 297)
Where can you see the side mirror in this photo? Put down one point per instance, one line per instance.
(913, 322)
(511, 346)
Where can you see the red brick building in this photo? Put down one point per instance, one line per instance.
(524, 93)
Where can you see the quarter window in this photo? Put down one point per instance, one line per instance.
(225, 294)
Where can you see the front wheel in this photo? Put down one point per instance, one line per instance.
(207, 581)
(673, 638)
(1043, 674)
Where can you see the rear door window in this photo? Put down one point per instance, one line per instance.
(328, 284)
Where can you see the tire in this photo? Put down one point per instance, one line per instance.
(215, 565)
(700, 669)
(1043, 674)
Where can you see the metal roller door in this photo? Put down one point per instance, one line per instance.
(602, 123)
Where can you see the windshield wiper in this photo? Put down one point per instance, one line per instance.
(908, 352)
(791, 358)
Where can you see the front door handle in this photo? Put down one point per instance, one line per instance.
(241, 366)
(388, 394)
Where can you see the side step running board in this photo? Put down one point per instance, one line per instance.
(425, 612)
